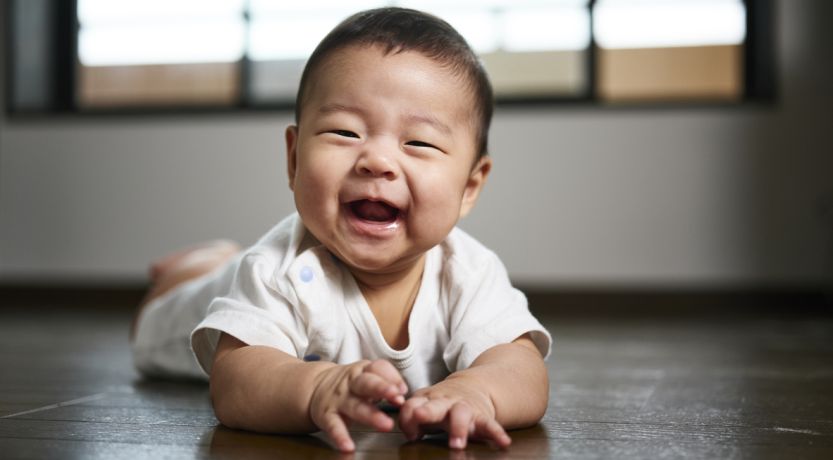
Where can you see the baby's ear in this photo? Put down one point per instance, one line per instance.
(475, 183)
(291, 136)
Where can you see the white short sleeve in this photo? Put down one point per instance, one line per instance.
(487, 311)
(253, 311)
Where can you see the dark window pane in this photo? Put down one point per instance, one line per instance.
(32, 37)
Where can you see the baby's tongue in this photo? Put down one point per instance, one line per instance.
(374, 210)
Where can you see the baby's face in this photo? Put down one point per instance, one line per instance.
(382, 161)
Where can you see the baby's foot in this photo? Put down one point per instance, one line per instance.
(199, 254)
(184, 265)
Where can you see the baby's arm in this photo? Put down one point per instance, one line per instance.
(263, 389)
(506, 387)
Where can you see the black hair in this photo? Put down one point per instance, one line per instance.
(401, 29)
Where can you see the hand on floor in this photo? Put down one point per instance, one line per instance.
(350, 393)
(452, 407)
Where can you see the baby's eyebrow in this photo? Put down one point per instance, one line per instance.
(333, 107)
(429, 120)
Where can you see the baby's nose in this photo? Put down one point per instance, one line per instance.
(377, 163)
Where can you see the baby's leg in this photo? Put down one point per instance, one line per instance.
(184, 265)
(183, 286)
(189, 263)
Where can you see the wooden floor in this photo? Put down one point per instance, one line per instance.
(652, 386)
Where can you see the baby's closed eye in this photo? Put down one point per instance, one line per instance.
(419, 144)
(423, 144)
(344, 133)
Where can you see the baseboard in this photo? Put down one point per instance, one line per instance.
(28, 295)
(596, 301)
(619, 302)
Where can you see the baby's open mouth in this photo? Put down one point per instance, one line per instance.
(374, 211)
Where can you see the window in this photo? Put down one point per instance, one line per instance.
(670, 50)
(93, 55)
(159, 52)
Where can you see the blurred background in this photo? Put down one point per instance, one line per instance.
(644, 145)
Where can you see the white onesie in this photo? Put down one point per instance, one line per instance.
(288, 292)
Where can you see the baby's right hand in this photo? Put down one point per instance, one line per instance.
(350, 393)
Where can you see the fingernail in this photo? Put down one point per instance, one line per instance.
(403, 388)
(457, 443)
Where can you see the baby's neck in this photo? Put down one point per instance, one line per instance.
(391, 297)
(408, 275)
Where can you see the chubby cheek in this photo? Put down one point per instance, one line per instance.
(312, 190)
(438, 204)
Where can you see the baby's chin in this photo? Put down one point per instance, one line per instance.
(371, 265)
(378, 262)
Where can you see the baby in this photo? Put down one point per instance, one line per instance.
(369, 295)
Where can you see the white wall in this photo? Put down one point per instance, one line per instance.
(580, 195)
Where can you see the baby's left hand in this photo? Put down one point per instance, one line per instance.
(456, 408)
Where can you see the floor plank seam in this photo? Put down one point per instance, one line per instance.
(108, 422)
(678, 424)
(107, 442)
(71, 402)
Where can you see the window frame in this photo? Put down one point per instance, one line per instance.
(759, 78)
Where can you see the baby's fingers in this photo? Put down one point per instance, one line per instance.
(386, 371)
(407, 422)
(433, 412)
(488, 429)
(333, 426)
(372, 387)
(460, 425)
(367, 414)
